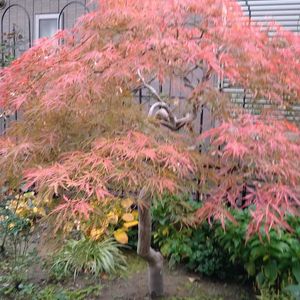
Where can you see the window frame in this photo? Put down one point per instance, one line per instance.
(39, 17)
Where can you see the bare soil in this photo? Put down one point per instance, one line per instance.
(179, 285)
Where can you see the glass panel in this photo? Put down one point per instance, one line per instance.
(48, 27)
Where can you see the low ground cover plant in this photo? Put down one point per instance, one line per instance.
(89, 257)
(54, 293)
(14, 276)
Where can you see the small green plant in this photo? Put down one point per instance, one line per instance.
(174, 210)
(208, 256)
(272, 294)
(88, 256)
(8, 57)
(13, 42)
(14, 281)
(54, 293)
(15, 231)
(172, 218)
(18, 215)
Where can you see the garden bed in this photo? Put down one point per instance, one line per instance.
(128, 285)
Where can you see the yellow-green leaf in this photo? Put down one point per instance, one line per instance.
(121, 236)
(126, 203)
(112, 218)
(130, 224)
(96, 233)
(135, 214)
(165, 231)
(128, 217)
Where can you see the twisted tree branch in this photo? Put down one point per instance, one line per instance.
(162, 111)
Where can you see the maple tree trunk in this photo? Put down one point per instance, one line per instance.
(153, 258)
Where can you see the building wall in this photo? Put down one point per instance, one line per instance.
(284, 12)
(15, 17)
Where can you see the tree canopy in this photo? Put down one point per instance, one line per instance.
(82, 135)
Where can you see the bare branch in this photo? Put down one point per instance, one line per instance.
(4, 115)
(161, 110)
(163, 106)
(149, 87)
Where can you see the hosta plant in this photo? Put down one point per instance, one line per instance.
(273, 259)
(106, 217)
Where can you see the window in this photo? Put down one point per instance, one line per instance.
(46, 25)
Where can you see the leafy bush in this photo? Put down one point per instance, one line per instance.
(207, 256)
(15, 226)
(273, 261)
(88, 256)
(170, 217)
(272, 294)
(15, 232)
(182, 242)
(174, 210)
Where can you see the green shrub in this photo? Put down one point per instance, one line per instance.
(15, 231)
(208, 257)
(177, 211)
(179, 240)
(273, 261)
(133, 238)
(171, 217)
(88, 256)
(293, 290)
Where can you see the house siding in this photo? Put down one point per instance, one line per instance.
(261, 12)
(284, 12)
(16, 17)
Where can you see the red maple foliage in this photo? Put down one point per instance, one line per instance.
(133, 164)
(256, 165)
(77, 87)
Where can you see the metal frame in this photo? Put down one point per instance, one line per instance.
(30, 38)
(2, 43)
(249, 10)
(2, 23)
(65, 7)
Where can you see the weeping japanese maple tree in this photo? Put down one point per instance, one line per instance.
(82, 134)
